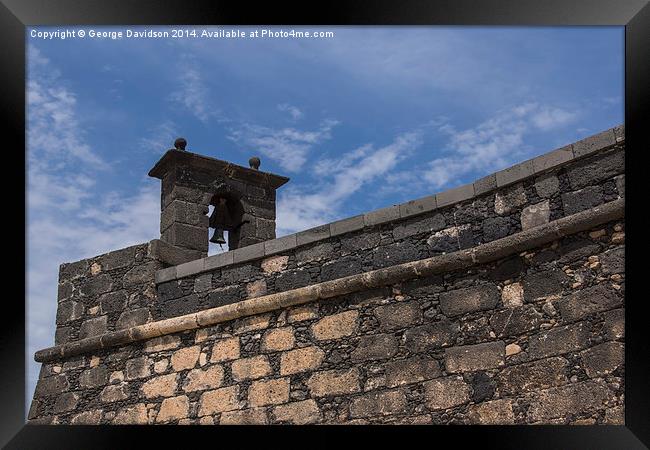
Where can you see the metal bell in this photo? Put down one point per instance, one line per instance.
(217, 237)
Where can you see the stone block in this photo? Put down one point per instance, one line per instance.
(613, 261)
(334, 382)
(302, 313)
(560, 340)
(298, 413)
(547, 284)
(418, 206)
(252, 416)
(219, 400)
(496, 228)
(584, 199)
(187, 236)
(93, 378)
(535, 215)
(507, 200)
(70, 271)
(185, 358)
(252, 323)
(445, 393)
(292, 279)
(170, 254)
(114, 393)
(179, 211)
(398, 315)
(396, 253)
(306, 359)
(603, 359)
(535, 376)
(335, 326)
(588, 301)
(553, 159)
(496, 412)
(619, 132)
(375, 347)
(485, 184)
(594, 143)
(190, 268)
(97, 285)
(411, 370)
(313, 234)
(280, 245)
(131, 415)
(547, 185)
(203, 283)
(93, 327)
(614, 325)
(117, 259)
(248, 252)
(133, 318)
(165, 275)
(574, 399)
(346, 225)
(322, 251)
(225, 350)
(68, 311)
(593, 170)
(455, 195)
(92, 417)
(424, 224)
(515, 173)
(469, 300)
(159, 344)
(339, 268)
(278, 339)
(113, 302)
(378, 404)
(512, 295)
(274, 264)
(620, 185)
(251, 368)
(271, 392)
(470, 358)
(162, 386)
(219, 260)
(140, 275)
(66, 402)
(430, 336)
(380, 216)
(173, 409)
(515, 321)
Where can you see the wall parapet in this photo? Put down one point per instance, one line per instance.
(501, 179)
(480, 254)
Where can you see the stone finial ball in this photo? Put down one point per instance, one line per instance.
(180, 143)
(254, 162)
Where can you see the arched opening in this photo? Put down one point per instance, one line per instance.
(226, 218)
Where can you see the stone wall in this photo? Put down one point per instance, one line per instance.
(535, 337)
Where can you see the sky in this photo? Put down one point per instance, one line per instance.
(365, 118)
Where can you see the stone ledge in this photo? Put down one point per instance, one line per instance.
(484, 253)
(500, 179)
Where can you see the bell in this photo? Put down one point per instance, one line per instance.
(217, 237)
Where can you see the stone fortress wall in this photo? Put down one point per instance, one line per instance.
(497, 302)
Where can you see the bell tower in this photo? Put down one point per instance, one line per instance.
(243, 201)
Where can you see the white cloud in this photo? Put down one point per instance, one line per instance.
(299, 209)
(192, 93)
(493, 144)
(161, 137)
(293, 111)
(289, 147)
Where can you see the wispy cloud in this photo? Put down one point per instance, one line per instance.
(493, 144)
(160, 137)
(192, 93)
(289, 147)
(302, 207)
(293, 111)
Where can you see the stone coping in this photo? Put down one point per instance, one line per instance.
(502, 178)
(484, 253)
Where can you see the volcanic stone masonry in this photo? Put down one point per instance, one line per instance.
(498, 302)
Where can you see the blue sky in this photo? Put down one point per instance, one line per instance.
(367, 118)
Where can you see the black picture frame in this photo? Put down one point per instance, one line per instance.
(16, 15)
